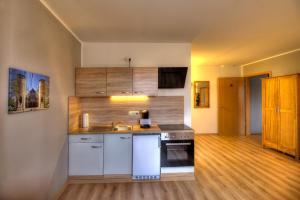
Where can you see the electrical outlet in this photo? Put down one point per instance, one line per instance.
(133, 113)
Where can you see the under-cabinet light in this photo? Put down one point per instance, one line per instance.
(129, 98)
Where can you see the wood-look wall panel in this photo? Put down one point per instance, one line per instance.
(104, 111)
(74, 113)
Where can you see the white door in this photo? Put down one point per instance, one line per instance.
(146, 155)
(85, 159)
(117, 153)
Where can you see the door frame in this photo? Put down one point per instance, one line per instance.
(248, 100)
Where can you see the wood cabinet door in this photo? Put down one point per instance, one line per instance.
(145, 81)
(288, 115)
(119, 81)
(231, 106)
(90, 82)
(270, 112)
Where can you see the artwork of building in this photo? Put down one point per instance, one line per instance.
(27, 91)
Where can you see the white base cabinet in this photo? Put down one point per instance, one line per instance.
(86, 155)
(117, 153)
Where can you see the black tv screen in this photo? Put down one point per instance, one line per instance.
(171, 77)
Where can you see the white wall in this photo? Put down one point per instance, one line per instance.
(278, 66)
(33, 145)
(143, 55)
(205, 120)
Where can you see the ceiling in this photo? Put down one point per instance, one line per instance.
(223, 32)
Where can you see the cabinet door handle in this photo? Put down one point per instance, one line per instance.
(101, 92)
(85, 138)
(125, 92)
(159, 142)
(138, 92)
(96, 147)
(178, 144)
(124, 138)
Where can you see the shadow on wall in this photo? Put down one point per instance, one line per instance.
(60, 174)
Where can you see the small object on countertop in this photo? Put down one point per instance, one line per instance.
(145, 121)
(85, 120)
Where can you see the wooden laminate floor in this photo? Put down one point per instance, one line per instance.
(226, 168)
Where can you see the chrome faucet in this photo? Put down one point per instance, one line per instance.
(113, 124)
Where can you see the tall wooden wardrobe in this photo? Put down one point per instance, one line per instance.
(281, 114)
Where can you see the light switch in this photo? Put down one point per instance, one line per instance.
(134, 113)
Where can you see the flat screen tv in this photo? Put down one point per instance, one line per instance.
(171, 77)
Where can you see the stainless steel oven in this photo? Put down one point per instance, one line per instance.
(177, 148)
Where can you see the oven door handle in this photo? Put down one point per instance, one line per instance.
(178, 144)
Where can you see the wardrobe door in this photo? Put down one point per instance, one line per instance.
(270, 112)
(288, 114)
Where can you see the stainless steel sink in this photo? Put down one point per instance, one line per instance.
(122, 128)
(101, 128)
(119, 127)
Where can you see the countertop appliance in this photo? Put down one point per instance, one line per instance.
(171, 77)
(177, 145)
(146, 156)
(145, 121)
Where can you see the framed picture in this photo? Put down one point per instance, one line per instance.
(27, 91)
(201, 94)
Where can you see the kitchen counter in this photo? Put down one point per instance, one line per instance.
(136, 129)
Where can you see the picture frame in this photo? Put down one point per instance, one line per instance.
(27, 91)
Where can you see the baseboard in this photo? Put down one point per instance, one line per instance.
(61, 191)
(127, 178)
(255, 133)
(189, 176)
(206, 133)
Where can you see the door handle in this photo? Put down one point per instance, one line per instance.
(178, 144)
(96, 147)
(125, 138)
(159, 142)
(85, 139)
(100, 92)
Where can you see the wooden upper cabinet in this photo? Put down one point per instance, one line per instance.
(287, 108)
(145, 81)
(270, 114)
(90, 82)
(119, 81)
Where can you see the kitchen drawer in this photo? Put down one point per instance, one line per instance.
(86, 138)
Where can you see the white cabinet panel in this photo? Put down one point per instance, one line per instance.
(82, 138)
(85, 159)
(146, 156)
(117, 153)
